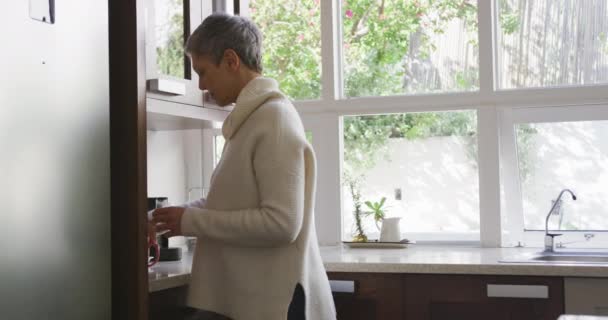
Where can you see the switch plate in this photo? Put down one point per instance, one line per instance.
(397, 193)
(43, 10)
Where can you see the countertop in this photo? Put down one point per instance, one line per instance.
(414, 259)
(449, 260)
(170, 274)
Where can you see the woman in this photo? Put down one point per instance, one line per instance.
(257, 255)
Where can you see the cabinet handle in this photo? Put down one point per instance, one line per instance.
(518, 291)
(345, 286)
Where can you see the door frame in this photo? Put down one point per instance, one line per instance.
(128, 159)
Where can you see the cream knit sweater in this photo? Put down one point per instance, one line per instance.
(256, 231)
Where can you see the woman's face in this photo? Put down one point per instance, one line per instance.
(218, 80)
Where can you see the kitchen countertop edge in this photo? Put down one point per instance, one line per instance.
(414, 260)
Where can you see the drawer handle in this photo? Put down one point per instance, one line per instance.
(345, 286)
(517, 291)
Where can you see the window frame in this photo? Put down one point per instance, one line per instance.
(323, 118)
(514, 231)
(241, 7)
(444, 237)
(208, 157)
(194, 13)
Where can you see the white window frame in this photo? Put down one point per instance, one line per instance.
(209, 159)
(226, 6)
(323, 118)
(514, 232)
(444, 237)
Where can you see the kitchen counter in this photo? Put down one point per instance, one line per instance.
(450, 260)
(170, 274)
(414, 259)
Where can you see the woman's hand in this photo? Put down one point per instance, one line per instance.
(168, 218)
(151, 230)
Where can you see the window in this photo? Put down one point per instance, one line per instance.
(450, 110)
(423, 164)
(169, 74)
(554, 156)
(292, 43)
(402, 47)
(169, 35)
(309, 136)
(555, 149)
(552, 43)
(218, 148)
(213, 146)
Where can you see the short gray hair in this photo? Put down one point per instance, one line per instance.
(221, 31)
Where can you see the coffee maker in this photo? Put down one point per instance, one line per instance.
(166, 253)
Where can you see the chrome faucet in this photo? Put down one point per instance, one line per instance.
(549, 237)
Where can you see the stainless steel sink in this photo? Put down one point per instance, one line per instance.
(571, 257)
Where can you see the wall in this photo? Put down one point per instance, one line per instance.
(568, 155)
(439, 187)
(175, 166)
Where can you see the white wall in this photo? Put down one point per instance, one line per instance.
(174, 166)
(166, 165)
(438, 182)
(437, 186)
(569, 155)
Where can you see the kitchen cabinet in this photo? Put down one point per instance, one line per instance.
(174, 100)
(375, 296)
(169, 74)
(168, 304)
(586, 296)
(164, 115)
(453, 297)
(470, 297)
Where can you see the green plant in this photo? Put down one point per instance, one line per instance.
(378, 38)
(170, 56)
(377, 210)
(366, 141)
(353, 185)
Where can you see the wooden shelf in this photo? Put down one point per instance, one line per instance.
(165, 115)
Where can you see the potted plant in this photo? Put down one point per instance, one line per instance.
(359, 235)
(377, 210)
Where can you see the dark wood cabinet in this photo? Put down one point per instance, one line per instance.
(169, 74)
(447, 297)
(375, 296)
(454, 297)
(168, 304)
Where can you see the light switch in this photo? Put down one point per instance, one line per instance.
(397, 193)
(43, 10)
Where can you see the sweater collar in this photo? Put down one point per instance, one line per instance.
(253, 95)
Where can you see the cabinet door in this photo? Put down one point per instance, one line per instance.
(376, 296)
(466, 297)
(586, 296)
(168, 304)
(169, 73)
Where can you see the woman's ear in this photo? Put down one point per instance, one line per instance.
(232, 59)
